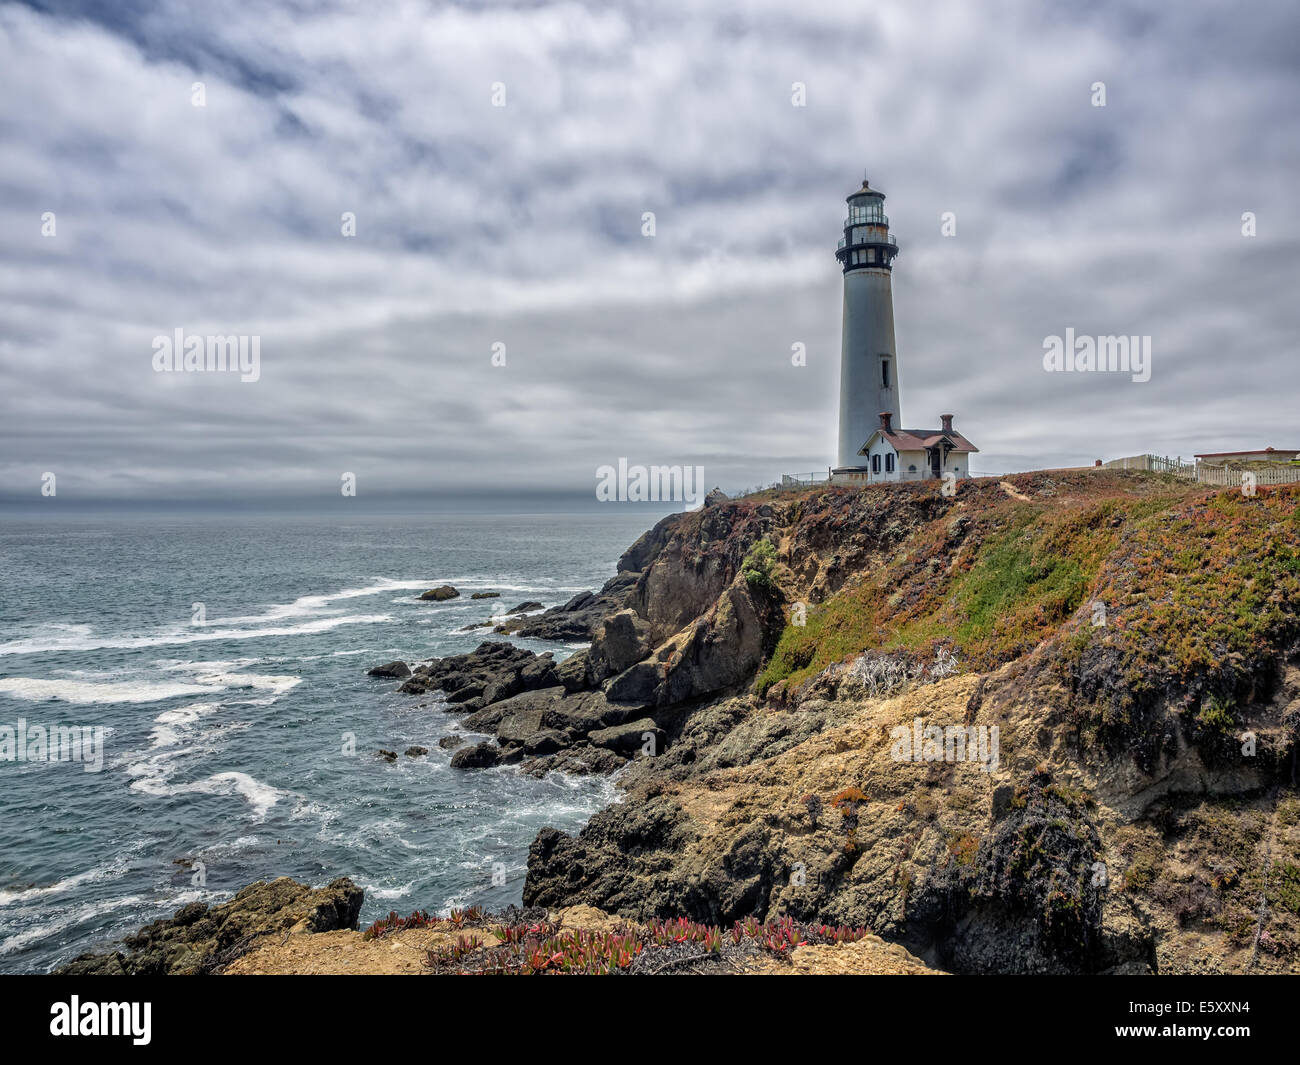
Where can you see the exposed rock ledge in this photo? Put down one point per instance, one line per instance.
(201, 939)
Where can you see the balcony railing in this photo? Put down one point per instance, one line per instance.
(891, 238)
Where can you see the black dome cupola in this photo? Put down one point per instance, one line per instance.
(867, 243)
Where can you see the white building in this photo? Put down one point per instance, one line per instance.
(871, 448)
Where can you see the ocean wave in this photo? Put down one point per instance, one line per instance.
(84, 692)
(113, 870)
(169, 725)
(153, 777)
(374, 891)
(71, 919)
(203, 634)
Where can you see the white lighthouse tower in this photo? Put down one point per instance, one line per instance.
(868, 361)
(873, 444)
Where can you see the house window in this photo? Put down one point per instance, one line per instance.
(884, 373)
(889, 462)
(875, 463)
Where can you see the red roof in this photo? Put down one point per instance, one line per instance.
(920, 439)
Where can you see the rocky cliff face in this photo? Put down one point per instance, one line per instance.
(1133, 641)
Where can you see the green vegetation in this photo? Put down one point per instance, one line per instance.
(1286, 887)
(758, 566)
(1021, 570)
(1144, 587)
(1216, 716)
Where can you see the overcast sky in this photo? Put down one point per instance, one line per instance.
(521, 225)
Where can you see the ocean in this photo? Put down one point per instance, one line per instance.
(227, 753)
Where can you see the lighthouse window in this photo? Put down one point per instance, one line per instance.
(884, 373)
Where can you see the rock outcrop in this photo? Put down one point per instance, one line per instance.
(202, 939)
(394, 670)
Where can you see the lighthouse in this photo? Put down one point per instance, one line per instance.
(873, 446)
(868, 361)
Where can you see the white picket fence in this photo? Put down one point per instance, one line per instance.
(1232, 475)
(1223, 473)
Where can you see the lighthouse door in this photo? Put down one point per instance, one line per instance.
(936, 462)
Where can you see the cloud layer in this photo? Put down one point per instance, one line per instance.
(521, 225)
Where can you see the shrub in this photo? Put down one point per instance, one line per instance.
(757, 568)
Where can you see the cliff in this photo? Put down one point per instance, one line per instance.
(1134, 641)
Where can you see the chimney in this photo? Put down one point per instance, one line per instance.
(885, 418)
(947, 422)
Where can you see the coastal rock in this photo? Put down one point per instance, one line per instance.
(581, 759)
(521, 715)
(201, 939)
(482, 755)
(486, 595)
(572, 672)
(545, 741)
(441, 593)
(450, 743)
(396, 670)
(495, 670)
(387, 756)
(530, 604)
(575, 620)
(584, 712)
(629, 737)
(416, 752)
(485, 755)
(619, 641)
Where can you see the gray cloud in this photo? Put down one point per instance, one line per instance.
(522, 225)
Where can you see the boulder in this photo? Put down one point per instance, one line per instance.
(480, 756)
(442, 592)
(572, 672)
(523, 715)
(629, 737)
(450, 743)
(396, 670)
(639, 683)
(486, 595)
(545, 741)
(530, 604)
(416, 752)
(387, 756)
(620, 640)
